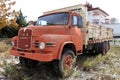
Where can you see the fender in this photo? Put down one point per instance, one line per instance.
(61, 48)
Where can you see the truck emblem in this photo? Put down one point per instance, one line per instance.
(25, 29)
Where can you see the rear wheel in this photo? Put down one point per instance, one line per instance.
(27, 62)
(66, 64)
(103, 48)
(97, 48)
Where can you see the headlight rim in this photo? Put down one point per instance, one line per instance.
(42, 45)
(12, 44)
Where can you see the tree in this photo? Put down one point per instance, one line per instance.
(21, 21)
(7, 16)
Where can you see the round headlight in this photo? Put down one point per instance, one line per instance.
(12, 44)
(42, 45)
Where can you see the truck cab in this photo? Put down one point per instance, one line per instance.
(57, 37)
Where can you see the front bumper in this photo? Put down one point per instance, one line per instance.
(34, 56)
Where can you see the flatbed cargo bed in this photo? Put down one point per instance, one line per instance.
(95, 33)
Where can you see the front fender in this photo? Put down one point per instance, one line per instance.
(62, 47)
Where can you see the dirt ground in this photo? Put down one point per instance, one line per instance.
(96, 68)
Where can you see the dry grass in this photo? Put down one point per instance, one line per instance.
(113, 53)
(4, 48)
(108, 64)
(4, 45)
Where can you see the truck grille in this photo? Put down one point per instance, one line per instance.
(25, 38)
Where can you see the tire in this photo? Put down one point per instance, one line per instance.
(27, 62)
(97, 48)
(65, 66)
(103, 48)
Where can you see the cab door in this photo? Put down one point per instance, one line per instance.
(76, 32)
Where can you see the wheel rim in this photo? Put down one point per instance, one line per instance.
(68, 64)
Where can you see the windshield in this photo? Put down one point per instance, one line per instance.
(53, 19)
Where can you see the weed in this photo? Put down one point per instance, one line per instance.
(88, 64)
(100, 58)
(2, 47)
(92, 63)
(10, 70)
(26, 78)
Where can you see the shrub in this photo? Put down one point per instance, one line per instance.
(3, 47)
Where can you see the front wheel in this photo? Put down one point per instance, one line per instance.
(64, 67)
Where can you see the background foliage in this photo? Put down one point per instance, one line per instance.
(10, 20)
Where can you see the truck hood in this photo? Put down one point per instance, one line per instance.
(25, 34)
(39, 30)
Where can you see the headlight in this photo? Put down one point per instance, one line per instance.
(42, 45)
(12, 44)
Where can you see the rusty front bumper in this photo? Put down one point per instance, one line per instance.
(34, 56)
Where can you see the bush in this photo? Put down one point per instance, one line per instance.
(12, 72)
(3, 47)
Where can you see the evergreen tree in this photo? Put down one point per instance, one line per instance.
(21, 21)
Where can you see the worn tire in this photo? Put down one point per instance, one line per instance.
(103, 48)
(27, 62)
(64, 67)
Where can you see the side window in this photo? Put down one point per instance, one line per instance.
(74, 21)
(77, 21)
(80, 21)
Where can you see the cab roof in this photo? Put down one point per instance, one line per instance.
(69, 12)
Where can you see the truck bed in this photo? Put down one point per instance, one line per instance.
(95, 33)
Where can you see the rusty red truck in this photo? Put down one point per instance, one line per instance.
(59, 37)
